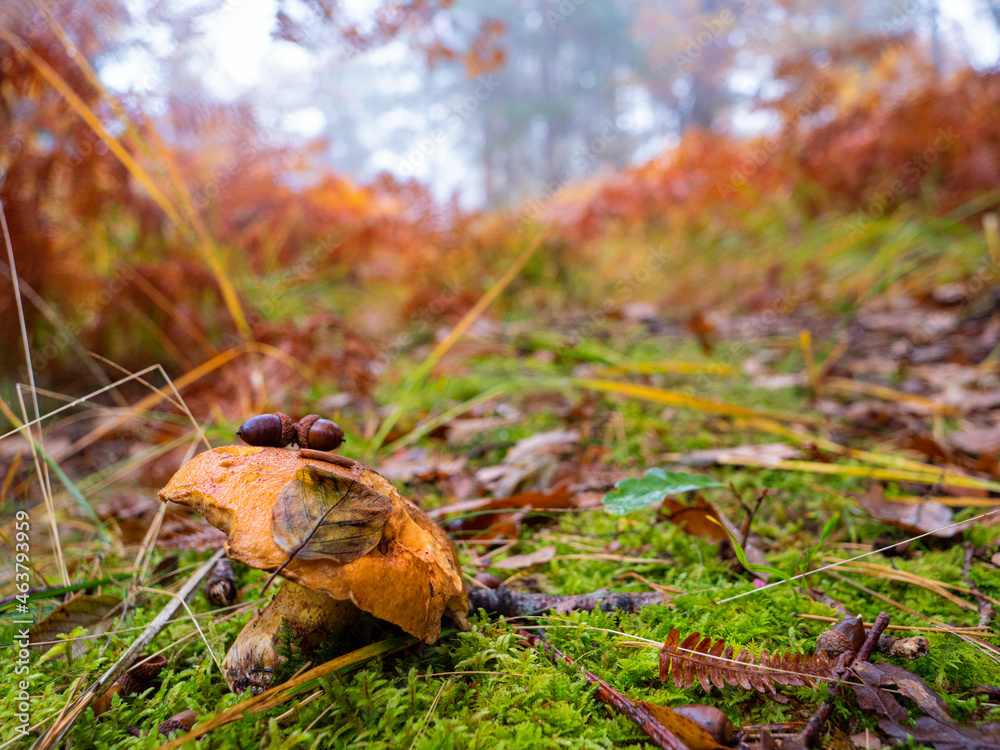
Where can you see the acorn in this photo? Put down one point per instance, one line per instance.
(846, 635)
(268, 431)
(181, 722)
(318, 434)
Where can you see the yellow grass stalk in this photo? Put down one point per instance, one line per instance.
(685, 400)
(976, 631)
(288, 690)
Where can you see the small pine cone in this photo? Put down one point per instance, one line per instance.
(302, 428)
(288, 433)
(181, 722)
(140, 677)
(133, 730)
(220, 590)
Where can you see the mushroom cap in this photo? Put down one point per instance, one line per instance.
(410, 578)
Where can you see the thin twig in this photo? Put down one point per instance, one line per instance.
(607, 694)
(986, 611)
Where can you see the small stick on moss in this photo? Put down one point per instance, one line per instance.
(509, 603)
(607, 694)
(986, 611)
(814, 726)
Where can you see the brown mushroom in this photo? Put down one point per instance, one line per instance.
(341, 535)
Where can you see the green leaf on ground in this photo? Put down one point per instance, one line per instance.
(633, 494)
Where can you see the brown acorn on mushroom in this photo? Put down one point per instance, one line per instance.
(279, 430)
(339, 533)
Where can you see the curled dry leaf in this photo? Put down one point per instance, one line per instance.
(698, 727)
(408, 574)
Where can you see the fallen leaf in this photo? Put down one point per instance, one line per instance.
(880, 701)
(686, 730)
(516, 562)
(977, 441)
(321, 514)
(90, 612)
(925, 517)
(530, 464)
(908, 684)
(485, 522)
(767, 453)
(417, 464)
(940, 736)
(635, 493)
(866, 741)
(696, 520)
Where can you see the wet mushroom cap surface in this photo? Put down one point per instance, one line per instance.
(410, 577)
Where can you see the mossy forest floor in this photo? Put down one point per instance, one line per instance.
(482, 688)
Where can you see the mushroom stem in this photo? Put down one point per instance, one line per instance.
(253, 658)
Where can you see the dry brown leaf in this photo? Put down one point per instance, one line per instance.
(530, 465)
(701, 519)
(686, 730)
(488, 524)
(91, 612)
(322, 514)
(927, 731)
(411, 578)
(926, 517)
(909, 684)
(516, 562)
(768, 453)
(977, 440)
(417, 464)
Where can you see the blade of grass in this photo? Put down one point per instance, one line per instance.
(852, 559)
(676, 398)
(867, 472)
(288, 690)
(37, 443)
(422, 370)
(881, 459)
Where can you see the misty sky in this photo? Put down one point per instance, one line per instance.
(238, 56)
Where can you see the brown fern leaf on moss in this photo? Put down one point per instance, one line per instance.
(697, 658)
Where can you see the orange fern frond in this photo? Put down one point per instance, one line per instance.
(697, 658)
